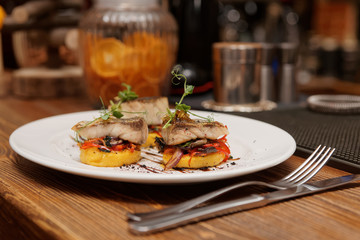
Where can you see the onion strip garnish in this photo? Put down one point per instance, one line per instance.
(174, 160)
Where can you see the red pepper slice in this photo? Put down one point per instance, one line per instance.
(92, 143)
(100, 143)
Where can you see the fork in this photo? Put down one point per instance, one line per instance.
(300, 175)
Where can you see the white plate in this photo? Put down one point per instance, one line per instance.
(254, 145)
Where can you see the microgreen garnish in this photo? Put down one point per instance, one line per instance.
(179, 106)
(105, 114)
(115, 108)
(127, 94)
(124, 96)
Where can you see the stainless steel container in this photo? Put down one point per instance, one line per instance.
(287, 72)
(267, 79)
(236, 67)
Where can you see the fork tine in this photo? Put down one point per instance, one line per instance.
(304, 164)
(317, 163)
(280, 184)
(323, 161)
(310, 164)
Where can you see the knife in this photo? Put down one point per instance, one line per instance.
(253, 201)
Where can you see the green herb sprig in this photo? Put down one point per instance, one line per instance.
(115, 109)
(179, 106)
(127, 94)
(124, 96)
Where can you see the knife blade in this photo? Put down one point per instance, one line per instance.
(253, 201)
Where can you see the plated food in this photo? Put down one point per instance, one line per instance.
(152, 109)
(189, 143)
(112, 142)
(131, 123)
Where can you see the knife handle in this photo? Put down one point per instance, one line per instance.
(182, 207)
(197, 214)
(193, 215)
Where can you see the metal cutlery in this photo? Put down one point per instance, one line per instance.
(253, 201)
(300, 175)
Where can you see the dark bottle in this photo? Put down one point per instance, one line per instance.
(198, 30)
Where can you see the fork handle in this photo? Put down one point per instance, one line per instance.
(181, 207)
(198, 214)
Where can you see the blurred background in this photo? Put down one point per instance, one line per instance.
(38, 37)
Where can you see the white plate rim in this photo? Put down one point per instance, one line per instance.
(99, 173)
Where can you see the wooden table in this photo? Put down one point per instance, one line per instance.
(41, 203)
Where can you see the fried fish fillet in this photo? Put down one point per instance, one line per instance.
(183, 131)
(151, 108)
(133, 129)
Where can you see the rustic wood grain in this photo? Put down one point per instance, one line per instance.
(41, 203)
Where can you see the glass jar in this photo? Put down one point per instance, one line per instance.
(127, 41)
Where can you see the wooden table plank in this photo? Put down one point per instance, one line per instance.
(41, 203)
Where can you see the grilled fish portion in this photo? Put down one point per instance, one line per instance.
(153, 109)
(134, 129)
(183, 131)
